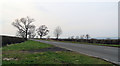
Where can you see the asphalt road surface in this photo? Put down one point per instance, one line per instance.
(103, 52)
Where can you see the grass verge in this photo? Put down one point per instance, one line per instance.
(27, 45)
(12, 55)
(60, 57)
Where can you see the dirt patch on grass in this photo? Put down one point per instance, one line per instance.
(54, 49)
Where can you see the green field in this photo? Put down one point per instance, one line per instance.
(13, 54)
(111, 45)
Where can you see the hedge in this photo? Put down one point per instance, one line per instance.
(98, 41)
(6, 40)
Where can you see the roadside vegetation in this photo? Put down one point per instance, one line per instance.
(27, 45)
(19, 54)
(111, 45)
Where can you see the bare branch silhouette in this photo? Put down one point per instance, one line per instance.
(87, 36)
(31, 32)
(42, 31)
(23, 25)
(57, 32)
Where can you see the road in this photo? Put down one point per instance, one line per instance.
(103, 52)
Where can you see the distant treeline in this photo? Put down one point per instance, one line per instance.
(98, 41)
(10, 40)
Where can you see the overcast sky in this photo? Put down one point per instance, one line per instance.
(75, 17)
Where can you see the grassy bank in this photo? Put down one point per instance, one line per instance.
(28, 45)
(13, 54)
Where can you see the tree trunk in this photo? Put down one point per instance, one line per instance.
(57, 37)
(26, 34)
(40, 37)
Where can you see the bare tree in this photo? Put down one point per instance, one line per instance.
(68, 37)
(42, 31)
(23, 25)
(20, 34)
(31, 32)
(72, 37)
(87, 36)
(57, 32)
